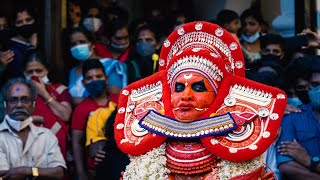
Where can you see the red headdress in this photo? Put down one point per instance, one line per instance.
(205, 48)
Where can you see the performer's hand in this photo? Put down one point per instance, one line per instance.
(296, 151)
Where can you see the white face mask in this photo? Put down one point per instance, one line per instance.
(250, 39)
(92, 24)
(18, 125)
(120, 47)
(44, 79)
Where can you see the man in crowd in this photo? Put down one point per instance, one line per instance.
(299, 143)
(26, 150)
(95, 82)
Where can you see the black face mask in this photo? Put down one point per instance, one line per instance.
(303, 96)
(270, 57)
(96, 88)
(5, 35)
(26, 30)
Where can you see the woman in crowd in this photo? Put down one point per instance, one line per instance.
(118, 46)
(82, 49)
(251, 21)
(53, 103)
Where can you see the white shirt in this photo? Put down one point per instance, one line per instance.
(41, 149)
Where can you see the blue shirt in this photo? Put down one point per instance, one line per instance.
(305, 128)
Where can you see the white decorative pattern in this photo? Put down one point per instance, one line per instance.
(166, 43)
(120, 126)
(144, 91)
(195, 62)
(130, 107)
(180, 31)
(253, 147)
(125, 92)
(239, 64)
(274, 116)
(161, 62)
(214, 55)
(251, 95)
(196, 49)
(198, 26)
(233, 46)
(137, 130)
(203, 40)
(219, 32)
(230, 101)
(266, 134)
(233, 150)
(263, 112)
(281, 96)
(121, 110)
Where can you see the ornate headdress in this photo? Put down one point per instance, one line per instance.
(202, 47)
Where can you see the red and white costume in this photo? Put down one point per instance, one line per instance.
(227, 141)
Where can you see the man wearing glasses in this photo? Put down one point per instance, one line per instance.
(26, 150)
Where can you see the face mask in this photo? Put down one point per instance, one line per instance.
(303, 96)
(270, 57)
(96, 88)
(250, 39)
(44, 79)
(26, 30)
(145, 48)
(119, 48)
(294, 101)
(5, 35)
(18, 125)
(81, 52)
(92, 24)
(314, 95)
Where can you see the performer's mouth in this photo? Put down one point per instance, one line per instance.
(184, 107)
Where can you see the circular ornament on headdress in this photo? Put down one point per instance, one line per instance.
(203, 35)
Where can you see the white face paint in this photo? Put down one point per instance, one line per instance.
(187, 77)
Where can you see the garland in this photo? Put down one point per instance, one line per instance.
(152, 166)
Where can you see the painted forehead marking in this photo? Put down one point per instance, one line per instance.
(17, 89)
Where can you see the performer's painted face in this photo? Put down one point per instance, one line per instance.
(191, 97)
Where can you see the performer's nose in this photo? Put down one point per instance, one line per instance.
(187, 95)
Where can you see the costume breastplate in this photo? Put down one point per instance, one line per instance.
(189, 157)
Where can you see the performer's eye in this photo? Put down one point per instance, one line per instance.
(199, 86)
(179, 87)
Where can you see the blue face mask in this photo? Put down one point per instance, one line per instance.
(81, 52)
(145, 48)
(96, 88)
(294, 101)
(250, 39)
(314, 95)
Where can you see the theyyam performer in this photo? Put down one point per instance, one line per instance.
(198, 117)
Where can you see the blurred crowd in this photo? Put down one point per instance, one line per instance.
(104, 52)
